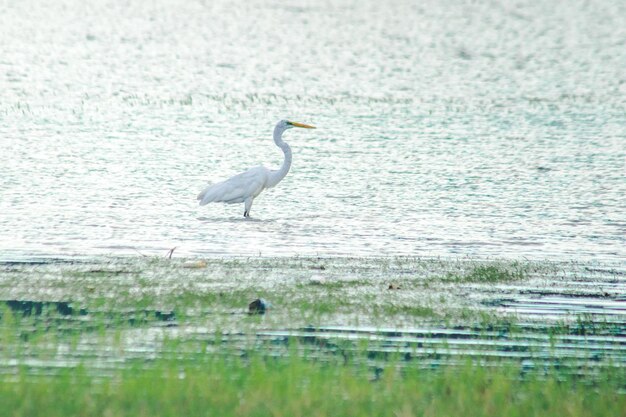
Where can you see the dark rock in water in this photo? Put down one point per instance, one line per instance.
(165, 315)
(258, 306)
(28, 308)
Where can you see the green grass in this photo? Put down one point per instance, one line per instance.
(215, 359)
(257, 386)
(391, 310)
(490, 274)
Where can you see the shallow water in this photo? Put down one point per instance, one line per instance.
(480, 130)
(107, 313)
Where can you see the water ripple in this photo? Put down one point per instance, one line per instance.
(443, 130)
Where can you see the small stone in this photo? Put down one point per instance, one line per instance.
(393, 287)
(258, 306)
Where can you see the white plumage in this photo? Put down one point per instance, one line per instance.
(244, 187)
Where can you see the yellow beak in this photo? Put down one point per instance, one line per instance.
(302, 125)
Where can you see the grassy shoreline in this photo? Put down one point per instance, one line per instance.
(387, 336)
(295, 387)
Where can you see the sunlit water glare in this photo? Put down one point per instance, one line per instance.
(445, 129)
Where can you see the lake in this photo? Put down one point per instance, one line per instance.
(444, 129)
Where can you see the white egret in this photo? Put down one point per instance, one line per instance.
(244, 187)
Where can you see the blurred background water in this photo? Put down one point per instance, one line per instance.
(490, 129)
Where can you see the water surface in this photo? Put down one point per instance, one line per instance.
(443, 129)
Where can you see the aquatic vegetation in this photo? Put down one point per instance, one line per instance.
(490, 274)
(365, 337)
(257, 386)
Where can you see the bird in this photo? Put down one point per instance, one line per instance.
(245, 187)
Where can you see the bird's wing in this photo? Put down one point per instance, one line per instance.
(236, 189)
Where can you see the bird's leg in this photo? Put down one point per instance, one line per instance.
(247, 206)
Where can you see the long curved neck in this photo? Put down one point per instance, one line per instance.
(276, 176)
